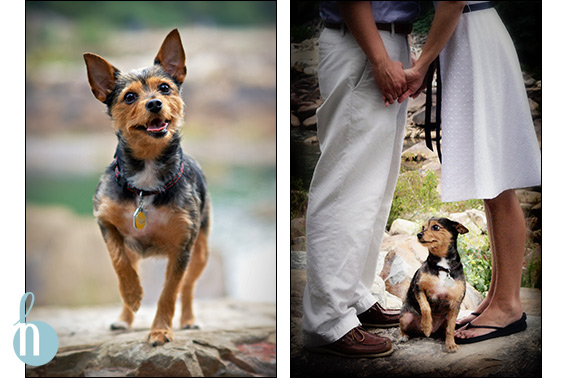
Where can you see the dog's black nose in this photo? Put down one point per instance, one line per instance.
(154, 105)
(420, 235)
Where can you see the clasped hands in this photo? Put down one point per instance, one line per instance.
(397, 84)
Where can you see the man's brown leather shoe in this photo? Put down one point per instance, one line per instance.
(358, 343)
(376, 316)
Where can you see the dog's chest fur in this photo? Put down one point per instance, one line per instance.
(148, 177)
(441, 286)
(167, 228)
(445, 279)
(157, 221)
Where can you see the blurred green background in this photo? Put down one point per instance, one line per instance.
(230, 128)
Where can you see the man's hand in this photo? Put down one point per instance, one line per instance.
(391, 80)
(389, 75)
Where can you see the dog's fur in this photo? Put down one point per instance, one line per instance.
(147, 112)
(438, 286)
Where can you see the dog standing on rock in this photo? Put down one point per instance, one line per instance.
(438, 287)
(152, 200)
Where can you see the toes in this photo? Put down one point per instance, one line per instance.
(452, 347)
(159, 337)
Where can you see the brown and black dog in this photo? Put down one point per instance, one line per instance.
(153, 199)
(438, 286)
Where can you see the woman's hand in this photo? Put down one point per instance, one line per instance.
(415, 81)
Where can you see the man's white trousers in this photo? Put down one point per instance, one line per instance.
(352, 187)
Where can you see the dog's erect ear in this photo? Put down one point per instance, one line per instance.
(102, 75)
(171, 56)
(460, 228)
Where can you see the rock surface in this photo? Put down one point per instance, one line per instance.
(234, 339)
(518, 355)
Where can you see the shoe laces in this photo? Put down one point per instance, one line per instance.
(353, 335)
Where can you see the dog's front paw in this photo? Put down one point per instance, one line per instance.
(451, 347)
(120, 325)
(188, 322)
(160, 337)
(190, 326)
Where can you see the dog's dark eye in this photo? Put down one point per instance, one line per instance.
(435, 228)
(130, 97)
(164, 88)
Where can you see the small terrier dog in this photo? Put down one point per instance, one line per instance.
(438, 286)
(152, 200)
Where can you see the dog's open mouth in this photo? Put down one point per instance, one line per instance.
(155, 128)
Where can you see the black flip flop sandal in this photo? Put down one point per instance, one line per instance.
(517, 326)
(459, 326)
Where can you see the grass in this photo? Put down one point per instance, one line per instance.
(476, 258)
(416, 199)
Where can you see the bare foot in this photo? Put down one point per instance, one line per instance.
(494, 318)
(473, 315)
(469, 318)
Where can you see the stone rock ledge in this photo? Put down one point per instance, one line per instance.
(235, 339)
(518, 355)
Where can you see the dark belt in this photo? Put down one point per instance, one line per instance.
(476, 7)
(399, 27)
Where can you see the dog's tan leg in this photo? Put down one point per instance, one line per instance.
(161, 331)
(450, 344)
(125, 265)
(127, 316)
(426, 319)
(199, 257)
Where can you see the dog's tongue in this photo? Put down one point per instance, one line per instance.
(157, 125)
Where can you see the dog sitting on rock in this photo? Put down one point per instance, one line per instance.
(438, 287)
